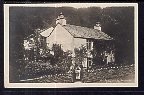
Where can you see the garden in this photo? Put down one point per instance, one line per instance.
(56, 68)
(110, 74)
(41, 73)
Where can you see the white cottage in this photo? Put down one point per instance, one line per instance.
(72, 36)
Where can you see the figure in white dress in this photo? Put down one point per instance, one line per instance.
(77, 71)
(110, 57)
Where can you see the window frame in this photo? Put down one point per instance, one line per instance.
(89, 45)
(89, 62)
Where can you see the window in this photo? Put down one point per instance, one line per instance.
(89, 62)
(89, 44)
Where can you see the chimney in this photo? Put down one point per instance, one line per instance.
(61, 19)
(97, 26)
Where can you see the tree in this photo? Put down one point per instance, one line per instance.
(61, 58)
(80, 54)
(119, 23)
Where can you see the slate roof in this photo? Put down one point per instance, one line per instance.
(84, 32)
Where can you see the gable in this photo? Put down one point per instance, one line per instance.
(60, 36)
(47, 32)
(60, 30)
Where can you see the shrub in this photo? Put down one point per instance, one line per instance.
(80, 54)
(36, 69)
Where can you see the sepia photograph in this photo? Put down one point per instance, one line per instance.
(71, 45)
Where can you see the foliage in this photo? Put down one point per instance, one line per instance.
(80, 54)
(37, 69)
(58, 53)
(61, 58)
(99, 49)
(48, 64)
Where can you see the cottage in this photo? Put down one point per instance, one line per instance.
(72, 36)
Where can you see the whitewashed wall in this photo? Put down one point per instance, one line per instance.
(78, 42)
(61, 36)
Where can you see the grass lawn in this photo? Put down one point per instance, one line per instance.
(110, 74)
(101, 74)
(67, 78)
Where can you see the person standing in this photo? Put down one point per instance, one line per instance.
(78, 73)
(108, 58)
(112, 57)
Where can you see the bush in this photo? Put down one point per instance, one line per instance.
(36, 69)
(80, 54)
(46, 63)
